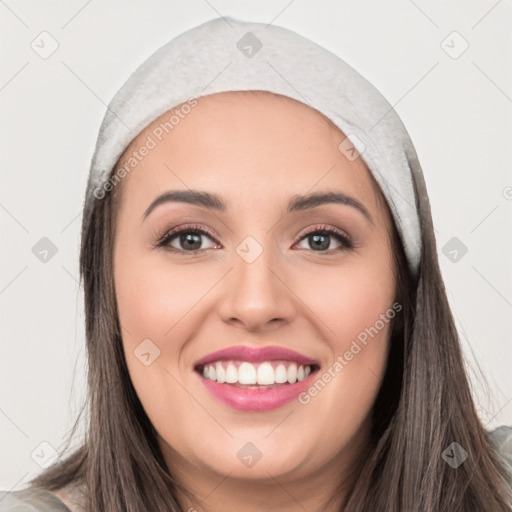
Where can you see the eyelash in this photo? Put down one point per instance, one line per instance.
(163, 242)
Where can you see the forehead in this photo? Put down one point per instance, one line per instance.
(247, 111)
(264, 102)
(247, 143)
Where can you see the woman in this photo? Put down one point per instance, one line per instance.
(267, 325)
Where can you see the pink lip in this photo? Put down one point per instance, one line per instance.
(255, 355)
(257, 399)
(262, 398)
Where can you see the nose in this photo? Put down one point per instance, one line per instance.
(257, 296)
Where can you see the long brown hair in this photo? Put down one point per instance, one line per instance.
(423, 406)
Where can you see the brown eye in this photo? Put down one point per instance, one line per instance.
(319, 239)
(189, 239)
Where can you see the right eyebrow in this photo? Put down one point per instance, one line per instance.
(195, 197)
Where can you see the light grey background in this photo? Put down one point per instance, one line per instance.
(457, 111)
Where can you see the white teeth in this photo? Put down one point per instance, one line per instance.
(281, 375)
(246, 373)
(231, 374)
(292, 373)
(221, 373)
(265, 374)
(262, 374)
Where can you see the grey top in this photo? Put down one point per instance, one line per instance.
(31, 500)
(39, 500)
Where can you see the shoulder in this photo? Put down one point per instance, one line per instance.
(501, 439)
(31, 500)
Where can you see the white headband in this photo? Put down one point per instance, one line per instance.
(226, 54)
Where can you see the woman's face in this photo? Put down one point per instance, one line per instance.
(258, 274)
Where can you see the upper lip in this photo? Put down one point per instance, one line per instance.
(256, 355)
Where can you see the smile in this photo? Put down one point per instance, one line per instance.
(261, 374)
(256, 379)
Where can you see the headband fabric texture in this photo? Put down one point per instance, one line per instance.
(228, 54)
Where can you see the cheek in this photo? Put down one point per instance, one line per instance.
(349, 300)
(357, 309)
(355, 306)
(153, 302)
(152, 297)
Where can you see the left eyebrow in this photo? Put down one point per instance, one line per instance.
(297, 203)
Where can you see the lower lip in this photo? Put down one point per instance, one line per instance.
(256, 399)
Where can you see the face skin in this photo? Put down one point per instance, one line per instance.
(255, 151)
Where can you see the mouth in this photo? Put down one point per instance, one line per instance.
(266, 374)
(251, 380)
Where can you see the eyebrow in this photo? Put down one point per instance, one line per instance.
(297, 203)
